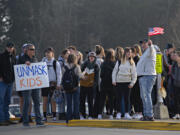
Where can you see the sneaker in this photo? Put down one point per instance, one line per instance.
(127, 116)
(135, 116)
(146, 118)
(139, 116)
(118, 116)
(26, 125)
(44, 119)
(40, 124)
(176, 116)
(89, 118)
(99, 116)
(54, 118)
(81, 117)
(150, 118)
(111, 117)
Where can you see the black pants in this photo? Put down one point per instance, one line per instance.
(86, 92)
(136, 101)
(96, 100)
(177, 100)
(106, 92)
(122, 90)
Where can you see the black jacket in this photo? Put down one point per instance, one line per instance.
(106, 74)
(7, 67)
(25, 57)
(176, 75)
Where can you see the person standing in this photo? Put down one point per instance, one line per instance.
(136, 101)
(89, 84)
(176, 83)
(70, 84)
(27, 59)
(7, 60)
(61, 105)
(124, 77)
(54, 74)
(107, 88)
(147, 76)
(18, 57)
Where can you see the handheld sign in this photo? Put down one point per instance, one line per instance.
(31, 76)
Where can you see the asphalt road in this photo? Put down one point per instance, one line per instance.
(63, 130)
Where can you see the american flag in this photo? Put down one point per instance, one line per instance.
(155, 31)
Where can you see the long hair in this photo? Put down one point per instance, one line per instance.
(133, 49)
(126, 50)
(138, 49)
(110, 55)
(119, 51)
(80, 59)
(99, 51)
(72, 59)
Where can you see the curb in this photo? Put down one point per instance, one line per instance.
(125, 124)
(147, 125)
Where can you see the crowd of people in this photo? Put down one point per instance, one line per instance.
(117, 82)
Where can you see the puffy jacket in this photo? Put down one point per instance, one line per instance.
(7, 61)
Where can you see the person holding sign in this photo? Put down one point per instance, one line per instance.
(7, 60)
(54, 73)
(35, 93)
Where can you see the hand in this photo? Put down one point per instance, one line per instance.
(114, 83)
(130, 86)
(28, 63)
(84, 77)
(1, 79)
(149, 42)
(58, 87)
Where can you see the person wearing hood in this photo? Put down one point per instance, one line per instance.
(7, 60)
(91, 72)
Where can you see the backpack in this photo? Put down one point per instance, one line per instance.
(69, 79)
(54, 67)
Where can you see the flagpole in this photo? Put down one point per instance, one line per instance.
(148, 35)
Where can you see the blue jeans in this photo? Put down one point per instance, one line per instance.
(35, 93)
(5, 99)
(61, 106)
(146, 84)
(73, 105)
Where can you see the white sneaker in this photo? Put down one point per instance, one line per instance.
(81, 117)
(99, 116)
(111, 117)
(118, 116)
(44, 119)
(139, 116)
(135, 116)
(127, 116)
(176, 116)
(54, 118)
(89, 118)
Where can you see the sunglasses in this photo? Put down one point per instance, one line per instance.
(32, 49)
(10, 46)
